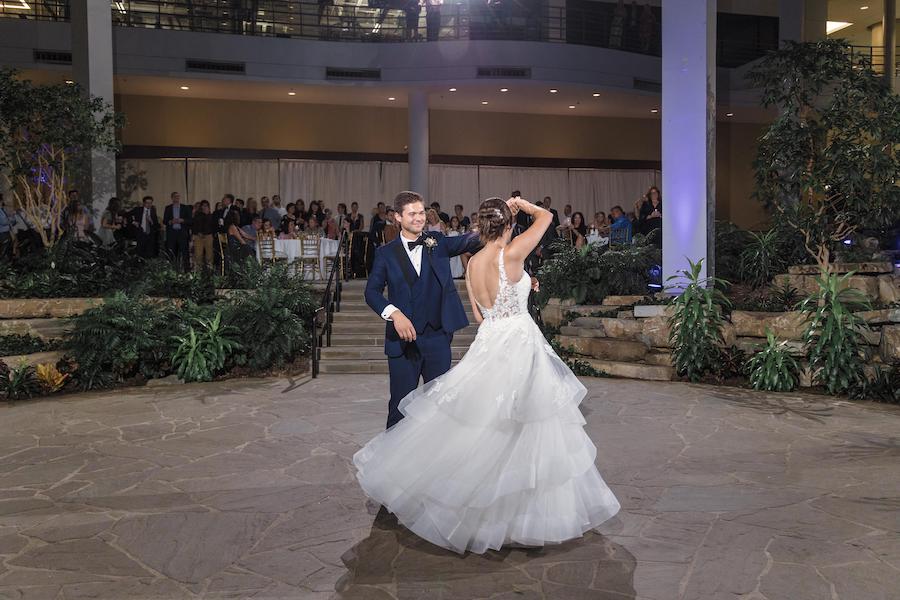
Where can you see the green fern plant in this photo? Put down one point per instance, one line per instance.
(201, 353)
(695, 327)
(20, 383)
(774, 368)
(834, 333)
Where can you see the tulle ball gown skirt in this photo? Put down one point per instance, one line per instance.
(493, 452)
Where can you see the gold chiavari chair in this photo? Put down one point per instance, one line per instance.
(309, 256)
(267, 251)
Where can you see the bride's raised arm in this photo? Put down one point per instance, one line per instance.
(522, 245)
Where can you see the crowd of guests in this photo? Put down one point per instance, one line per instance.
(205, 235)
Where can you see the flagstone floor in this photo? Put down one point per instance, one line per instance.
(244, 489)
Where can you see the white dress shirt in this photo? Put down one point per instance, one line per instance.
(415, 257)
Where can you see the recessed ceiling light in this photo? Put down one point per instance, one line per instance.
(596, 94)
(184, 87)
(484, 101)
(69, 81)
(292, 93)
(391, 98)
(654, 110)
(571, 106)
(553, 91)
(504, 89)
(729, 114)
(452, 89)
(863, 8)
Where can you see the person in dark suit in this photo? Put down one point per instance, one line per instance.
(423, 309)
(177, 219)
(546, 204)
(146, 227)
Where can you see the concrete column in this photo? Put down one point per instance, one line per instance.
(889, 26)
(418, 143)
(688, 133)
(802, 20)
(92, 63)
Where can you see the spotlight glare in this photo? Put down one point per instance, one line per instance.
(184, 87)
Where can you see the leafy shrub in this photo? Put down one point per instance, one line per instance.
(50, 378)
(270, 324)
(593, 272)
(884, 387)
(730, 242)
(20, 383)
(761, 258)
(696, 325)
(732, 364)
(774, 368)
(202, 353)
(124, 337)
(834, 333)
(161, 279)
(14, 343)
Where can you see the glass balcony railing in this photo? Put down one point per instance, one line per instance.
(600, 24)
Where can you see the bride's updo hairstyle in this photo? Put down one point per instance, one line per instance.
(494, 217)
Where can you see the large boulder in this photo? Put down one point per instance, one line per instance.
(606, 348)
(842, 268)
(890, 344)
(889, 289)
(784, 325)
(625, 329)
(621, 300)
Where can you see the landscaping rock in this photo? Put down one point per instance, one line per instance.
(655, 332)
(655, 357)
(621, 300)
(653, 310)
(632, 370)
(38, 358)
(880, 317)
(588, 322)
(625, 314)
(806, 284)
(585, 332)
(36, 308)
(889, 288)
(785, 326)
(752, 345)
(625, 329)
(42, 328)
(606, 348)
(842, 268)
(890, 344)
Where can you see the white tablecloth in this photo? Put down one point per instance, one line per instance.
(291, 249)
(597, 239)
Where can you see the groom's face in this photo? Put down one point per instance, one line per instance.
(412, 219)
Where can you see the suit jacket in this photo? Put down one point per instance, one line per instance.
(392, 268)
(137, 215)
(555, 219)
(185, 213)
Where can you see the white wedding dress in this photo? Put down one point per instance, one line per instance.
(494, 451)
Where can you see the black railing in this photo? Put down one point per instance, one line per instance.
(581, 22)
(875, 56)
(321, 320)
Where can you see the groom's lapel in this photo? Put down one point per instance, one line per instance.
(409, 272)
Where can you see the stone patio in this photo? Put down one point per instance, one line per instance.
(244, 489)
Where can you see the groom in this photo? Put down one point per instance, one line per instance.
(422, 309)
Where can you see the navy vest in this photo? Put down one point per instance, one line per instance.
(427, 294)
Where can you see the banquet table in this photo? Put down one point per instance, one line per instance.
(291, 250)
(593, 238)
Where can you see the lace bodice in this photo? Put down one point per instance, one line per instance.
(512, 298)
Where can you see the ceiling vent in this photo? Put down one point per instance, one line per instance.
(211, 66)
(358, 74)
(53, 57)
(504, 72)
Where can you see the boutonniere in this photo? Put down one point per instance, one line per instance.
(430, 243)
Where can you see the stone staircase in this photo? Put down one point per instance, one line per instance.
(357, 338)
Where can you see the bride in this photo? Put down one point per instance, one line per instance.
(493, 452)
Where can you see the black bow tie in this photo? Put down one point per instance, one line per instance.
(418, 242)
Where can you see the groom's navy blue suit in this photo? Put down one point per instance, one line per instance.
(429, 300)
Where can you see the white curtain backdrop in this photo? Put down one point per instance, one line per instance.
(587, 190)
(211, 179)
(157, 178)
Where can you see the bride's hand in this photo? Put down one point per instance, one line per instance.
(513, 205)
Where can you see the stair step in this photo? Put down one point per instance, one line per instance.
(373, 326)
(338, 353)
(358, 366)
(377, 340)
(368, 317)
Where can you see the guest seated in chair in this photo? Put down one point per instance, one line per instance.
(620, 229)
(313, 227)
(578, 230)
(240, 244)
(288, 231)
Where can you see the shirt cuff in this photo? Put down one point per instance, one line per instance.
(386, 313)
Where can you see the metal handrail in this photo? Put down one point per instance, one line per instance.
(321, 320)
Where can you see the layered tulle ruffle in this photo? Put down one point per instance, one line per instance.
(492, 452)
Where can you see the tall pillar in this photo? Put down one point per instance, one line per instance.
(688, 133)
(418, 143)
(889, 27)
(92, 63)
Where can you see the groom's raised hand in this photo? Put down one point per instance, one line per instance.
(404, 326)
